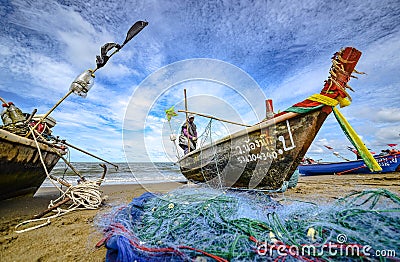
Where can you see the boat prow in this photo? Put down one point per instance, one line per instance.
(21, 170)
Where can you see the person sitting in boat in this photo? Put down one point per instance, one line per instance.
(191, 134)
(307, 161)
(393, 151)
(384, 152)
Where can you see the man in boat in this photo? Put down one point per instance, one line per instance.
(191, 134)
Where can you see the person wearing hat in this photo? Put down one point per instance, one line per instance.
(191, 134)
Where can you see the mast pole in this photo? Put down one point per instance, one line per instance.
(49, 112)
(213, 117)
(187, 123)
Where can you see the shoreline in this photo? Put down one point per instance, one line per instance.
(73, 237)
(106, 184)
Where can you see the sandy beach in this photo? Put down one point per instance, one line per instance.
(73, 237)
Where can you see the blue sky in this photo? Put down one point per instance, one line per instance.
(283, 46)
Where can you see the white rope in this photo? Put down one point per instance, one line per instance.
(174, 141)
(42, 161)
(85, 195)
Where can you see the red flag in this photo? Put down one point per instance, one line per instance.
(392, 145)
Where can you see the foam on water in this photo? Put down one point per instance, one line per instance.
(140, 173)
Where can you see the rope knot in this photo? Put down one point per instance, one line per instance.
(85, 194)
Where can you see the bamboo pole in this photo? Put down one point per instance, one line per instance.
(187, 123)
(88, 153)
(2, 100)
(49, 112)
(70, 165)
(127, 39)
(213, 117)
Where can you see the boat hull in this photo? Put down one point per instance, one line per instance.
(261, 157)
(389, 163)
(21, 171)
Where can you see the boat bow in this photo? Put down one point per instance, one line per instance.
(266, 155)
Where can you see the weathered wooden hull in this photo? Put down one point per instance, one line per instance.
(21, 171)
(260, 157)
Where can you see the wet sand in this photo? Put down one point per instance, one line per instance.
(73, 237)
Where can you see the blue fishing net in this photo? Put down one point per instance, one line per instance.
(206, 224)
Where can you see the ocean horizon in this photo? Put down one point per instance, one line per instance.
(127, 173)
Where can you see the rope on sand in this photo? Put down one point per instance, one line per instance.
(85, 195)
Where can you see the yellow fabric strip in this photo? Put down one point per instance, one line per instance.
(343, 101)
(324, 100)
(369, 160)
(349, 131)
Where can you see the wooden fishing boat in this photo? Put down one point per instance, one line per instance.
(266, 155)
(389, 163)
(21, 170)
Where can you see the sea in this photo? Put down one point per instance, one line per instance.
(127, 173)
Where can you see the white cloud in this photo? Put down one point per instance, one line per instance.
(303, 83)
(387, 135)
(285, 47)
(381, 115)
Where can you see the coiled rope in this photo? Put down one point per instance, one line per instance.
(85, 195)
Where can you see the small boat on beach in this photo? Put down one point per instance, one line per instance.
(22, 156)
(28, 150)
(21, 170)
(388, 162)
(265, 155)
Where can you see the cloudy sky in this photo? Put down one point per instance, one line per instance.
(281, 49)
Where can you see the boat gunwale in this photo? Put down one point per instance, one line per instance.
(247, 130)
(16, 139)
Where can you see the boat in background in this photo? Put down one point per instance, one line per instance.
(264, 156)
(389, 163)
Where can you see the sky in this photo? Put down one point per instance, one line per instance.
(229, 56)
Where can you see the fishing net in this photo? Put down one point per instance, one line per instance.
(206, 138)
(212, 163)
(203, 224)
